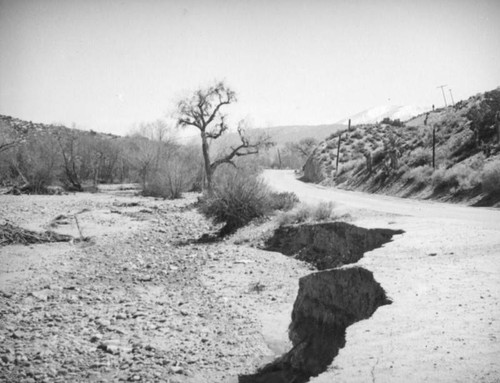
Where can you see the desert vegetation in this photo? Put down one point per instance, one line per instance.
(43, 159)
(239, 196)
(40, 158)
(204, 111)
(303, 213)
(450, 154)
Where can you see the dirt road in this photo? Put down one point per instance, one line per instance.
(443, 275)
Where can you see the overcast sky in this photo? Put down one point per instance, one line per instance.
(106, 65)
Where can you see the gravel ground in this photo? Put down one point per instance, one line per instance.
(140, 301)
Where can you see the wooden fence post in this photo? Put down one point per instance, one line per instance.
(338, 155)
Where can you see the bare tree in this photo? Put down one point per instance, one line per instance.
(11, 136)
(203, 111)
(304, 147)
(4, 146)
(68, 143)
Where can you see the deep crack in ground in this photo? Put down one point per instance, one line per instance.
(328, 301)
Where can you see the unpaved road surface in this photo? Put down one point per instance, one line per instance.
(443, 275)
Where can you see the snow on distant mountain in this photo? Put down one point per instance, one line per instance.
(377, 114)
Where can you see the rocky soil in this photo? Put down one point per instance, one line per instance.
(140, 301)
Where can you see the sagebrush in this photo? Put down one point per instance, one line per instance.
(236, 199)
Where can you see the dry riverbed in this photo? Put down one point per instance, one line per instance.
(139, 301)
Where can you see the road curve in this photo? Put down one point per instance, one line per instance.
(443, 275)
(285, 180)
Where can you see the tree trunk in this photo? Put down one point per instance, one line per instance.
(206, 157)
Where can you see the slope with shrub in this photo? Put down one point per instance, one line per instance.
(398, 160)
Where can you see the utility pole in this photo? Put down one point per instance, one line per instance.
(444, 97)
(338, 155)
(349, 126)
(433, 146)
(433, 141)
(452, 101)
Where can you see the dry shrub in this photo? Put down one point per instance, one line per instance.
(490, 177)
(353, 164)
(459, 177)
(170, 181)
(283, 201)
(420, 175)
(324, 211)
(10, 234)
(378, 156)
(238, 197)
(419, 157)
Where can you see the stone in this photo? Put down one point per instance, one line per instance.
(40, 295)
(95, 338)
(5, 294)
(176, 369)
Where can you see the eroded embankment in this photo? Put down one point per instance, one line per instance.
(328, 301)
(328, 244)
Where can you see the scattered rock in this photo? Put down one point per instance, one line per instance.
(96, 338)
(176, 369)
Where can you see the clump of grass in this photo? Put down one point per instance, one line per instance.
(490, 177)
(419, 157)
(420, 175)
(458, 177)
(324, 211)
(283, 201)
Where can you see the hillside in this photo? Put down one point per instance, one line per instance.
(36, 158)
(377, 114)
(398, 160)
(295, 133)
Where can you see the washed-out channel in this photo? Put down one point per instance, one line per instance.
(329, 300)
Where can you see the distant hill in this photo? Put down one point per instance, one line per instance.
(398, 160)
(377, 114)
(18, 127)
(279, 134)
(295, 133)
